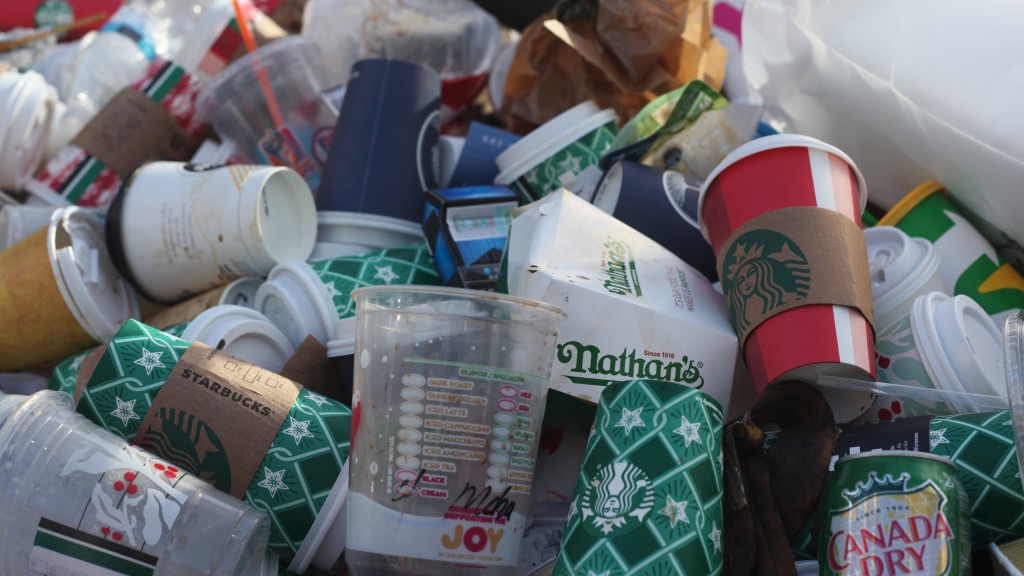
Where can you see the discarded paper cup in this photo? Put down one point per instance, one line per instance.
(240, 292)
(649, 496)
(762, 196)
(242, 332)
(176, 230)
(76, 499)
(352, 234)
(382, 154)
(235, 103)
(902, 268)
(449, 397)
(944, 344)
(17, 221)
(562, 153)
(655, 202)
(27, 112)
(59, 292)
(969, 265)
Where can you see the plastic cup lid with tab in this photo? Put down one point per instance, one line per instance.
(296, 300)
(98, 297)
(242, 332)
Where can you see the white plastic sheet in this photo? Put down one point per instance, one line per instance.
(910, 89)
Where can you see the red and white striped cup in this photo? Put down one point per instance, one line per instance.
(786, 171)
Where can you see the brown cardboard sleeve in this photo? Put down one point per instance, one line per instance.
(241, 404)
(826, 247)
(132, 130)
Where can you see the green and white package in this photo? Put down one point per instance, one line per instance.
(648, 500)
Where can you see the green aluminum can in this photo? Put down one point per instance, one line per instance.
(897, 512)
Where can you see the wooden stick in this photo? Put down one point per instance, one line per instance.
(8, 45)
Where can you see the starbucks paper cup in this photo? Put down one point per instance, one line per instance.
(969, 264)
(562, 153)
(242, 332)
(60, 289)
(353, 233)
(753, 206)
(649, 495)
(176, 230)
(902, 268)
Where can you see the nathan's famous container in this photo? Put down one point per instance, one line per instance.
(248, 431)
(648, 499)
(353, 234)
(176, 230)
(635, 310)
(943, 343)
(782, 214)
(902, 268)
(76, 499)
(897, 512)
(969, 264)
(59, 292)
(450, 390)
(27, 111)
(562, 153)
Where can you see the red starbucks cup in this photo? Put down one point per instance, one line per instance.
(782, 214)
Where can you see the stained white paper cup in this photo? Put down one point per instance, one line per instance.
(243, 333)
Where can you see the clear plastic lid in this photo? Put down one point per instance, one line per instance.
(1013, 362)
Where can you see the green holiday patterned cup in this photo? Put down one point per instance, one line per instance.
(649, 496)
(295, 478)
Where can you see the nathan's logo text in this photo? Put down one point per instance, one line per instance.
(588, 359)
(617, 263)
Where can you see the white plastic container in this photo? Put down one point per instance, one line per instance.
(176, 230)
(242, 332)
(26, 113)
(351, 234)
(537, 164)
(297, 302)
(946, 344)
(902, 268)
(74, 498)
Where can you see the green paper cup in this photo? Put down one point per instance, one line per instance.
(649, 495)
(562, 153)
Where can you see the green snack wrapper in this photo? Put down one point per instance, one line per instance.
(648, 500)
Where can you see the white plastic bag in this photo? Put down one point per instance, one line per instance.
(910, 89)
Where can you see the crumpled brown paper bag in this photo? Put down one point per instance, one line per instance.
(619, 53)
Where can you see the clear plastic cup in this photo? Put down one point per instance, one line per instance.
(450, 387)
(76, 499)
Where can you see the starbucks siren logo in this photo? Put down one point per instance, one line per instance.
(618, 500)
(763, 271)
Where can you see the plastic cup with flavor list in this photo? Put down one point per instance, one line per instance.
(648, 499)
(243, 333)
(76, 499)
(782, 214)
(212, 224)
(562, 153)
(285, 125)
(943, 344)
(353, 234)
(62, 291)
(240, 292)
(902, 268)
(969, 264)
(449, 398)
(279, 447)
(27, 110)
(382, 155)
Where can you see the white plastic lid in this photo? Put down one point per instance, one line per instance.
(899, 265)
(243, 333)
(325, 541)
(366, 230)
(1013, 349)
(296, 301)
(770, 143)
(99, 298)
(960, 345)
(28, 114)
(345, 343)
(241, 292)
(18, 221)
(549, 138)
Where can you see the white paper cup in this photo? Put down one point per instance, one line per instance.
(535, 165)
(296, 301)
(353, 233)
(26, 112)
(902, 268)
(946, 344)
(242, 332)
(176, 230)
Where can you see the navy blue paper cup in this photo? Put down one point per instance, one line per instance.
(382, 157)
(658, 203)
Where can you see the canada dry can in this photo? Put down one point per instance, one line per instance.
(898, 512)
